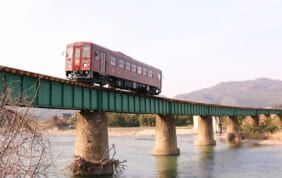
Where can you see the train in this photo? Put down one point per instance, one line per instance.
(91, 63)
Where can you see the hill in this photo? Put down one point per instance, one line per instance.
(260, 93)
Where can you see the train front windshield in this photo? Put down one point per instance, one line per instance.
(86, 51)
(69, 52)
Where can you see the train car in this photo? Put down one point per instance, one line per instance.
(91, 63)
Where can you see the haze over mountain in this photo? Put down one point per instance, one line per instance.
(261, 92)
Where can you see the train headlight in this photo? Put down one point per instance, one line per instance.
(69, 65)
(85, 65)
(76, 62)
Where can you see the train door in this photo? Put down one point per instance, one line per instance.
(77, 54)
(159, 80)
(103, 62)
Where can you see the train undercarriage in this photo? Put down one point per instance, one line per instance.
(113, 82)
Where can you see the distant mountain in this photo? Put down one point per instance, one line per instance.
(260, 93)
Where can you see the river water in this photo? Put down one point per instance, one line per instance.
(222, 160)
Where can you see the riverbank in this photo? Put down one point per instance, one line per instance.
(268, 139)
(125, 131)
(257, 142)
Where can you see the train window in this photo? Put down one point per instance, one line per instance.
(150, 74)
(113, 61)
(77, 52)
(86, 51)
(133, 68)
(139, 70)
(121, 63)
(159, 76)
(144, 71)
(69, 52)
(97, 55)
(127, 66)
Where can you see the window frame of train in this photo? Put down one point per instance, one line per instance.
(113, 60)
(121, 63)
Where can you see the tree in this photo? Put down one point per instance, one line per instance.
(147, 120)
(183, 120)
(24, 150)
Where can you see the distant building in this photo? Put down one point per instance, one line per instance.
(66, 115)
(74, 115)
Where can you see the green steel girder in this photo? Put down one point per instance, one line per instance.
(58, 93)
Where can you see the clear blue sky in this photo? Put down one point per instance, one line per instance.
(197, 44)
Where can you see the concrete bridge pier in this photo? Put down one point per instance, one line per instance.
(205, 132)
(217, 126)
(276, 117)
(232, 124)
(166, 141)
(262, 117)
(195, 124)
(232, 131)
(92, 141)
(253, 120)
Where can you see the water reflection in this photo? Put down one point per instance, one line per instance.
(234, 145)
(166, 166)
(206, 153)
(220, 139)
(246, 160)
(206, 160)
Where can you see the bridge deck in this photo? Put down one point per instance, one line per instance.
(51, 92)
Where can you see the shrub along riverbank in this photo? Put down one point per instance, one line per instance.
(142, 120)
(267, 129)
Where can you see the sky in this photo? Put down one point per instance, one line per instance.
(196, 44)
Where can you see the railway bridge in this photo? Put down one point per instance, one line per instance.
(93, 102)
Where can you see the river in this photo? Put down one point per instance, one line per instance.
(222, 160)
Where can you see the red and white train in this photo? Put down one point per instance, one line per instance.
(91, 63)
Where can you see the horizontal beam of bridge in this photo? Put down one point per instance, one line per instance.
(51, 92)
